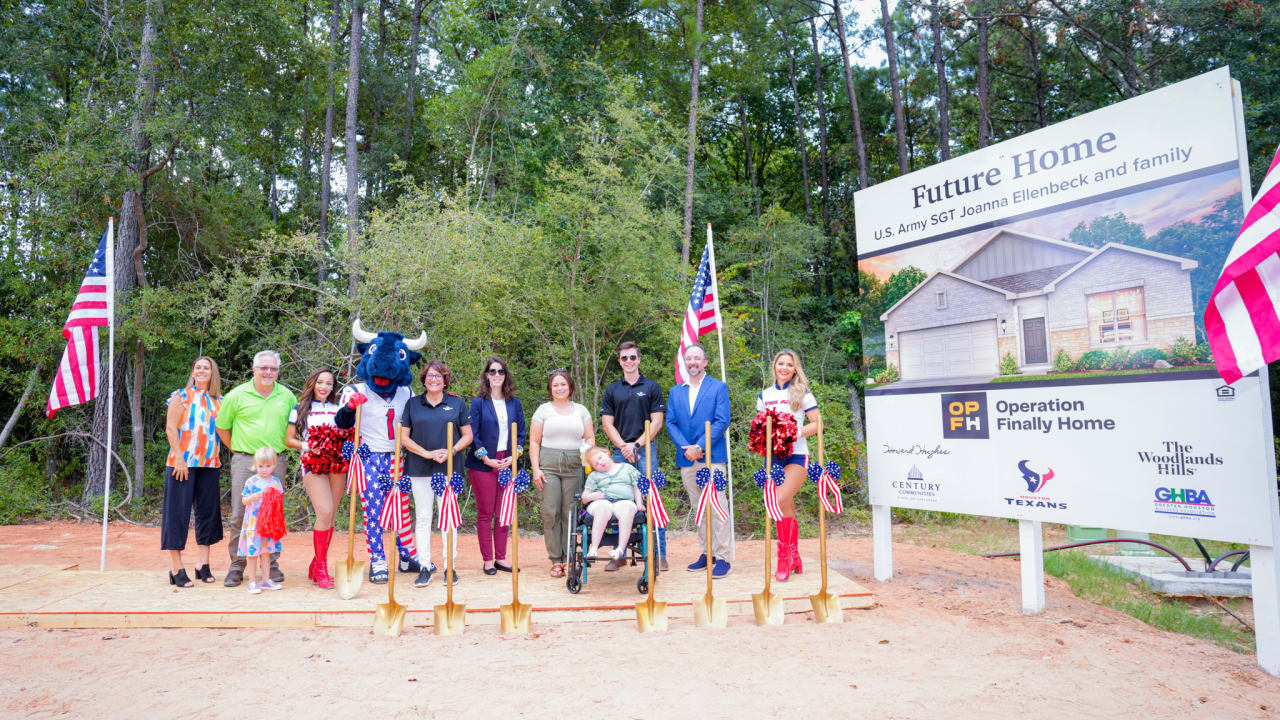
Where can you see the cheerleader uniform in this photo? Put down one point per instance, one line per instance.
(778, 399)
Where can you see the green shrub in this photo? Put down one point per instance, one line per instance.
(1204, 354)
(1147, 357)
(24, 492)
(1062, 361)
(1009, 365)
(1182, 353)
(888, 375)
(1092, 360)
(1120, 359)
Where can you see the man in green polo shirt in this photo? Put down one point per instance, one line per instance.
(253, 415)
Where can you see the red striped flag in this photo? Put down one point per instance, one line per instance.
(355, 473)
(771, 500)
(703, 313)
(77, 378)
(710, 490)
(657, 510)
(392, 515)
(1242, 320)
(829, 493)
(507, 506)
(450, 515)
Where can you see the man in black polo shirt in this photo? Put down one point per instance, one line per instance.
(627, 404)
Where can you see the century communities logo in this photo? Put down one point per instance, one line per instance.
(915, 487)
(1176, 458)
(1185, 502)
(1035, 482)
(964, 415)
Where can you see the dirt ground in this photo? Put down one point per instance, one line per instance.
(947, 639)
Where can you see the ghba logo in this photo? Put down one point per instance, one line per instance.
(1034, 480)
(1185, 502)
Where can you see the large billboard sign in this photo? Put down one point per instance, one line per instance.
(1034, 340)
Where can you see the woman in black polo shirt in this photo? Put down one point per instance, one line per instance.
(426, 418)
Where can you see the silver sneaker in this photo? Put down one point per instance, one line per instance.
(254, 589)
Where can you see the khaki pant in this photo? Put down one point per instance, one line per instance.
(241, 469)
(721, 533)
(564, 478)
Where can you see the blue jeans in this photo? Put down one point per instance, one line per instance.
(639, 465)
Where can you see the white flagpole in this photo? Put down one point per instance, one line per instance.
(728, 456)
(111, 390)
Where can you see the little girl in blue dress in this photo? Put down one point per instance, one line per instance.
(255, 547)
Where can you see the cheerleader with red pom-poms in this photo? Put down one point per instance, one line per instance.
(324, 471)
(796, 418)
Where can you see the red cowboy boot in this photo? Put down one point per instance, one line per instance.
(797, 565)
(786, 526)
(320, 564)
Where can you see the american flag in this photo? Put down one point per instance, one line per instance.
(657, 510)
(703, 314)
(507, 505)
(77, 378)
(1242, 319)
(771, 505)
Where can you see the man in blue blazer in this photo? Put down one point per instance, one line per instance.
(690, 405)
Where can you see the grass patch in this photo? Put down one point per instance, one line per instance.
(1095, 374)
(1108, 587)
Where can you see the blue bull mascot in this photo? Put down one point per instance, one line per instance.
(383, 390)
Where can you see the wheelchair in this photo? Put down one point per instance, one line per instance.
(579, 540)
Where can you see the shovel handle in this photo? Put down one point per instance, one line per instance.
(515, 524)
(822, 520)
(351, 495)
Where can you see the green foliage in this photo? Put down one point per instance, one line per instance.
(1147, 357)
(888, 375)
(1182, 353)
(1009, 365)
(24, 492)
(1204, 353)
(1120, 359)
(1093, 360)
(1062, 361)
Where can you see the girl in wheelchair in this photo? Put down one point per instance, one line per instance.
(610, 492)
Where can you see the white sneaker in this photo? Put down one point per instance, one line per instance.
(254, 589)
(592, 552)
(270, 584)
(618, 552)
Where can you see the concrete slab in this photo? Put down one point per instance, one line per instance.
(1167, 576)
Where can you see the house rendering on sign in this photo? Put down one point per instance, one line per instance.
(1029, 296)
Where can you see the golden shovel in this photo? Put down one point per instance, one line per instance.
(767, 605)
(349, 574)
(516, 615)
(449, 618)
(826, 607)
(708, 610)
(651, 615)
(388, 619)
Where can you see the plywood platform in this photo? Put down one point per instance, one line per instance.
(49, 596)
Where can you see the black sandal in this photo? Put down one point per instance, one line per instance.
(204, 574)
(181, 579)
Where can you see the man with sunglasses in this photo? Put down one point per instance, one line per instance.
(627, 404)
(253, 415)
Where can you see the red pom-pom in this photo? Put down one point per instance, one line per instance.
(784, 433)
(271, 515)
(324, 454)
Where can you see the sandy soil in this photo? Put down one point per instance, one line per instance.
(947, 639)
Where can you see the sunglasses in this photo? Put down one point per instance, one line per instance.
(558, 370)
(495, 371)
(628, 358)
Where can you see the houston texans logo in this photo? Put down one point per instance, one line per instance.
(1035, 481)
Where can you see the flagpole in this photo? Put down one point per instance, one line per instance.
(733, 546)
(111, 389)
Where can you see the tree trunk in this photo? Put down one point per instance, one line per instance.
(984, 83)
(944, 100)
(853, 97)
(17, 410)
(353, 177)
(746, 144)
(136, 415)
(822, 124)
(900, 124)
(406, 141)
(801, 146)
(859, 429)
(1037, 73)
(695, 67)
(327, 161)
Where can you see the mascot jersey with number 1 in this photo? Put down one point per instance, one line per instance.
(383, 391)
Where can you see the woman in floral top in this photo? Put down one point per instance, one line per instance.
(192, 470)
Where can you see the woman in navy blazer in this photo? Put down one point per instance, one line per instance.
(492, 412)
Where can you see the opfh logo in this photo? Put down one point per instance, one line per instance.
(1034, 480)
(964, 415)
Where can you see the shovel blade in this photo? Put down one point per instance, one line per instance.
(450, 619)
(348, 576)
(516, 617)
(826, 608)
(710, 612)
(768, 608)
(651, 616)
(388, 619)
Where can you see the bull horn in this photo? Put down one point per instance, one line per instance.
(417, 343)
(360, 334)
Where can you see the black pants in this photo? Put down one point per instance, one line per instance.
(200, 488)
